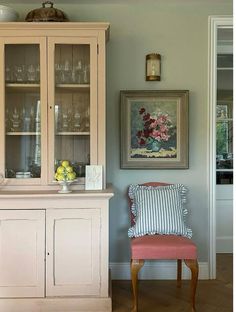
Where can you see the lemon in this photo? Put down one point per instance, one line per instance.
(71, 176)
(60, 177)
(65, 163)
(60, 169)
(69, 169)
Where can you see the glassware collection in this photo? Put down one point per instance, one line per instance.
(23, 113)
(66, 73)
(71, 120)
(22, 73)
(23, 118)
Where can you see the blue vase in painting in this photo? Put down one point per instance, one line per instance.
(154, 146)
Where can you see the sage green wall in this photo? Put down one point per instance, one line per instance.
(178, 30)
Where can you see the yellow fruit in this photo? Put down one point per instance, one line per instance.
(71, 176)
(55, 176)
(60, 169)
(60, 177)
(69, 169)
(65, 163)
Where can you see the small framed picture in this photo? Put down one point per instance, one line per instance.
(93, 177)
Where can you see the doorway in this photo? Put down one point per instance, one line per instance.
(221, 134)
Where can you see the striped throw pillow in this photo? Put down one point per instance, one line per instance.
(158, 210)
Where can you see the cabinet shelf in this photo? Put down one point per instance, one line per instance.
(73, 87)
(23, 87)
(73, 133)
(23, 133)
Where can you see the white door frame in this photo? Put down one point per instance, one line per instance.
(214, 23)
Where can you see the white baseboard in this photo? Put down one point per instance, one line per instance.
(56, 304)
(159, 270)
(224, 244)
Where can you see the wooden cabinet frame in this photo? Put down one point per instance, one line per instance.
(93, 208)
(88, 209)
(47, 35)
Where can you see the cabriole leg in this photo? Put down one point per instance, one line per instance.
(193, 266)
(135, 267)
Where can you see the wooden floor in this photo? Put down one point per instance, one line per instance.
(164, 296)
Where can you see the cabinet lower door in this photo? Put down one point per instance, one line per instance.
(73, 252)
(22, 253)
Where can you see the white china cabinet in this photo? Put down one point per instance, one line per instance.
(53, 247)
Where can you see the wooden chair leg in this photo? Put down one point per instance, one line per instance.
(135, 267)
(193, 266)
(179, 272)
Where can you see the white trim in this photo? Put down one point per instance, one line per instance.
(56, 304)
(213, 23)
(156, 270)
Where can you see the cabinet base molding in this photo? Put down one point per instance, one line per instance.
(56, 305)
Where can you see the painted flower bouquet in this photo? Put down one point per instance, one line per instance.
(156, 129)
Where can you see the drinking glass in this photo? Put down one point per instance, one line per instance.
(20, 73)
(15, 121)
(77, 121)
(87, 120)
(78, 72)
(86, 74)
(67, 72)
(38, 73)
(58, 73)
(31, 73)
(8, 74)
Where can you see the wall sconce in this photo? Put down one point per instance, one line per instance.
(153, 67)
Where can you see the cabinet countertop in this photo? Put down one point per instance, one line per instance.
(107, 193)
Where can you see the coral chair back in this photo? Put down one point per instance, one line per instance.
(162, 247)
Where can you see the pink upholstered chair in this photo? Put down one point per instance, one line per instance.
(162, 247)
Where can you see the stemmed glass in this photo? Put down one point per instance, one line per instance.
(31, 73)
(20, 73)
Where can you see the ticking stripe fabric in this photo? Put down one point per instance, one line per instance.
(158, 210)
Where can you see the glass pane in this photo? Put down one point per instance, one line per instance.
(225, 79)
(224, 150)
(224, 110)
(22, 111)
(225, 61)
(72, 106)
(224, 177)
(224, 145)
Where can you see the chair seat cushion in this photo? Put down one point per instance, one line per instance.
(163, 247)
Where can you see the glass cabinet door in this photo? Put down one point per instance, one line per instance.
(72, 99)
(22, 106)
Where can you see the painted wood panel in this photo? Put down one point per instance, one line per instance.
(73, 256)
(22, 246)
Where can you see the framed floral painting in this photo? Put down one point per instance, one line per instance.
(154, 129)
